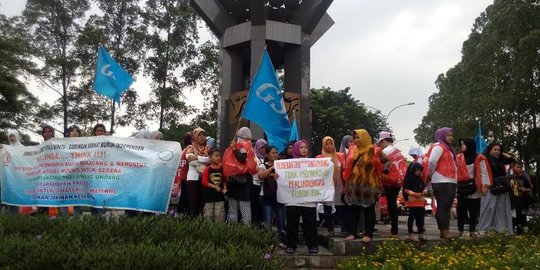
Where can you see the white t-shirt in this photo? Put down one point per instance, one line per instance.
(436, 177)
(256, 180)
(192, 174)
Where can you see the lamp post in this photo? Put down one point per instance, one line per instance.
(402, 105)
(406, 139)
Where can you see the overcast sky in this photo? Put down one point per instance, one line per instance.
(389, 52)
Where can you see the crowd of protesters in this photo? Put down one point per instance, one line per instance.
(491, 188)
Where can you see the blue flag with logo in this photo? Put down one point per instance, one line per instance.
(111, 79)
(481, 143)
(294, 129)
(265, 105)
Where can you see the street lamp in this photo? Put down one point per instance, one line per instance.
(406, 139)
(402, 105)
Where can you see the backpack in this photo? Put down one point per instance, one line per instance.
(398, 169)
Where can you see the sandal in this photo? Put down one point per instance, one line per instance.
(350, 237)
(313, 250)
(366, 239)
(290, 250)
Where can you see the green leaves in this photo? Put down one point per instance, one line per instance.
(338, 113)
(496, 80)
(132, 243)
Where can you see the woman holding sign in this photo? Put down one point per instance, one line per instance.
(363, 186)
(308, 212)
(329, 150)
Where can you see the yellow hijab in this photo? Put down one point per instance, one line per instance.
(363, 187)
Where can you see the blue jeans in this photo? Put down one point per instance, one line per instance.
(269, 207)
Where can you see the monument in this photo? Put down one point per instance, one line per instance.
(288, 29)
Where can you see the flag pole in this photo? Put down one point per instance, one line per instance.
(249, 90)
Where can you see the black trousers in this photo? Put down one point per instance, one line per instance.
(521, 219)
(194, 197)
(256, 209)
(328, 218)
(183, 204)
(444, 194)
(391, 200)
(309, 225)
(418, 214)
(354, 217)
(468, 207)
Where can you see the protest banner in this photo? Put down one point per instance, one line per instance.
(304, 180)
(102, 172)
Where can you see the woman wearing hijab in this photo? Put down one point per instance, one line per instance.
(495, 205)
(197, 158)
(346, 142)
(156, 135)
(239, 185)
(306, 211)
(72, 131)
(443, 171)
(14, 139)
(329, 150)
(473, 174)
(288, 152)
(256, 209)
(363, 184)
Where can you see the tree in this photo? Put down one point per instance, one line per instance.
(204, 74)
(338, 113)
(18, 107)
(171, 43)
(53, 27)
(496, 81)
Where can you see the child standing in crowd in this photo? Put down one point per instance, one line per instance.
(306, 211)
(414, 192)
(268, 195)
(214, 188)
(521, 196)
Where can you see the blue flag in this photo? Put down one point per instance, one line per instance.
(294, 129)
(265, 105)
(111, 79)
(481, 143)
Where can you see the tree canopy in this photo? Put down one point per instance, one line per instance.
(497, 80)
(338, 113)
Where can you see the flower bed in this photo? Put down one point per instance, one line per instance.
(492, 252)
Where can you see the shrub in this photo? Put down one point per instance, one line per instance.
(134, 243)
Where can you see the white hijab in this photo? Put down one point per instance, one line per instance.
(17, 136)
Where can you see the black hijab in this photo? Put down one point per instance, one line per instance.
(470, 152)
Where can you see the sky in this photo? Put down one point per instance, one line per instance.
(389, 52)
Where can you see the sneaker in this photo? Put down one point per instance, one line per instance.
(290, 250)
(313, 250)
(282, 246)
(421, 237)
(473, 235)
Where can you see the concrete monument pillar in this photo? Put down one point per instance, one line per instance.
(288, 29)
